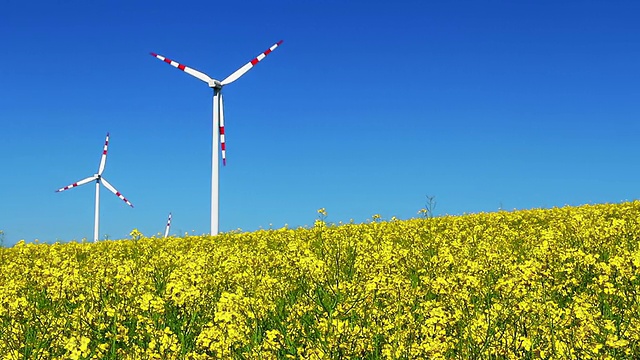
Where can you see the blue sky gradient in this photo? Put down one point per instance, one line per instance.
(366, 107)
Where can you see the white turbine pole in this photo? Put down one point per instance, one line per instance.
(97, 212)
(215, 186)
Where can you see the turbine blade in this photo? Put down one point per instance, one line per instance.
(233, 77)
(223, 144)
(113, 190)
(103, 159)
(166, 230)
(191, 71)
(81, 182)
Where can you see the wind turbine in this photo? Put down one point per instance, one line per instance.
(98, 179)
(218, 120)
(166, 230)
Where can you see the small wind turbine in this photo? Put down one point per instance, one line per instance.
(98, 179)
(218, 120)
(166, 230)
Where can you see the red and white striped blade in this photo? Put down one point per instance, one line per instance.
(166, 230)
(103, 159)
(81, 182)
(191, 71)
(223, 144)
(113, 190)
(236, 75)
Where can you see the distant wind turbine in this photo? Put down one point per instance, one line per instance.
(98, 179)
(218, 120)
(166, 230)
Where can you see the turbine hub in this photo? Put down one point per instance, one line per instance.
(215, 84)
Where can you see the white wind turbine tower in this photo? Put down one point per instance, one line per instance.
(218, 120)
(98, 179)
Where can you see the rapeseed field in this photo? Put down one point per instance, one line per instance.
(558, 283)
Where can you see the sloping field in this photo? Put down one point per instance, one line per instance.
(557, 283)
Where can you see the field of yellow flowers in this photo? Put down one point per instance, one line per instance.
(561, 283)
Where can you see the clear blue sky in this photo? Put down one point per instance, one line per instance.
(366, 107)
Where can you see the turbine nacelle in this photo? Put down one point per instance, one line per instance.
(215, 84)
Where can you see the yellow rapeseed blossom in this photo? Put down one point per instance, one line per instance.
(559, 283)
